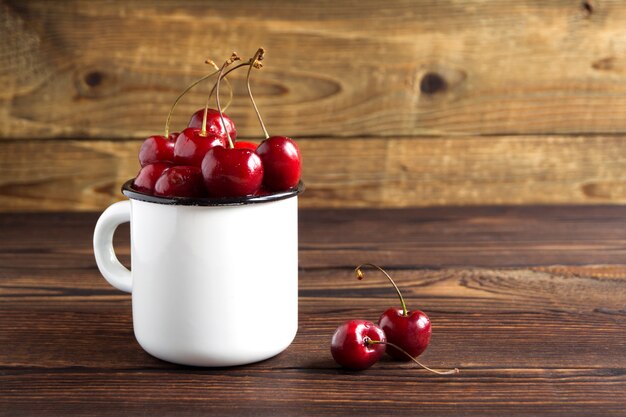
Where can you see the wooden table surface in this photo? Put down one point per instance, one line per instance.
(529, 302)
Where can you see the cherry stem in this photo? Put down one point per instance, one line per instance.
(359, 275)
(225, 75)
(192, 85)
(369, 341)
(258, 56)
(208, 100)
(234, 57)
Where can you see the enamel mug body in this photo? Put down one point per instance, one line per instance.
(211, 285)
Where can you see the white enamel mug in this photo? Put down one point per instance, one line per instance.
(213, 282)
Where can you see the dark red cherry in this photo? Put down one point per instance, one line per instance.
(232, 172)
(246, 145)
(148, 176)
(214, 124)
(180, 181)
(350, 348)
(281, 161)
(411, 332)
(191, 146)
(172, 136)
(156, 148)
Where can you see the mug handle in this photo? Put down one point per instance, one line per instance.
(111, 269)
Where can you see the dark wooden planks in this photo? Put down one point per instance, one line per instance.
(395, 390)
(111, 69)
(351, 172)
(546, 339)
(410, 238)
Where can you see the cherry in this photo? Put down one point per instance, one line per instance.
(191, 146)
(410, 330)
(281, 161)
(213, 123)
(280, 155)
(181, 95)
(351, 345)
(232, 172)
(148, 176)
(209, 120)
(246, 145)
(156, 148)
(180, 181)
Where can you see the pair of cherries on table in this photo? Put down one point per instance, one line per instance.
(403, 334)
(205, 160)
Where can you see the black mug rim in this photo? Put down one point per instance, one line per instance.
(130, 192)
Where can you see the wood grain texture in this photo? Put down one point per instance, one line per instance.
(351, 68)
(544, 337)
(351, 172)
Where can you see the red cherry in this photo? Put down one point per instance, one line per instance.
(350, 347)
(156, 148)
(232, 172)
(172, 136)
(246, 145)
(214, 124)
(281, 161)
(191, 146)
(411, 332)
(148, 176)
(180, 181)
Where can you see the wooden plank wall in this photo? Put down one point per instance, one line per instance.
(400, 103)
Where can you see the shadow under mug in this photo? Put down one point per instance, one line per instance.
(214, 282)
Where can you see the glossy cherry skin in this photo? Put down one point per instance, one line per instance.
(350, 349)
(411, 332)
(281, 161)
(245, 145)
(148, 176)
(156, 148)
(191, 146)
(263, 191)
(232, 172)
(214, 124)
(180, 181)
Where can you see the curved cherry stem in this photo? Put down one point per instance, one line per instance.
(230, 86)
(258, 56)
(234, 57)
(208, 100)
(359, 275)
(369, 341)
(243, 64)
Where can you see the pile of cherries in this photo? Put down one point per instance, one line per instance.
(205, 160)
(403, 334)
